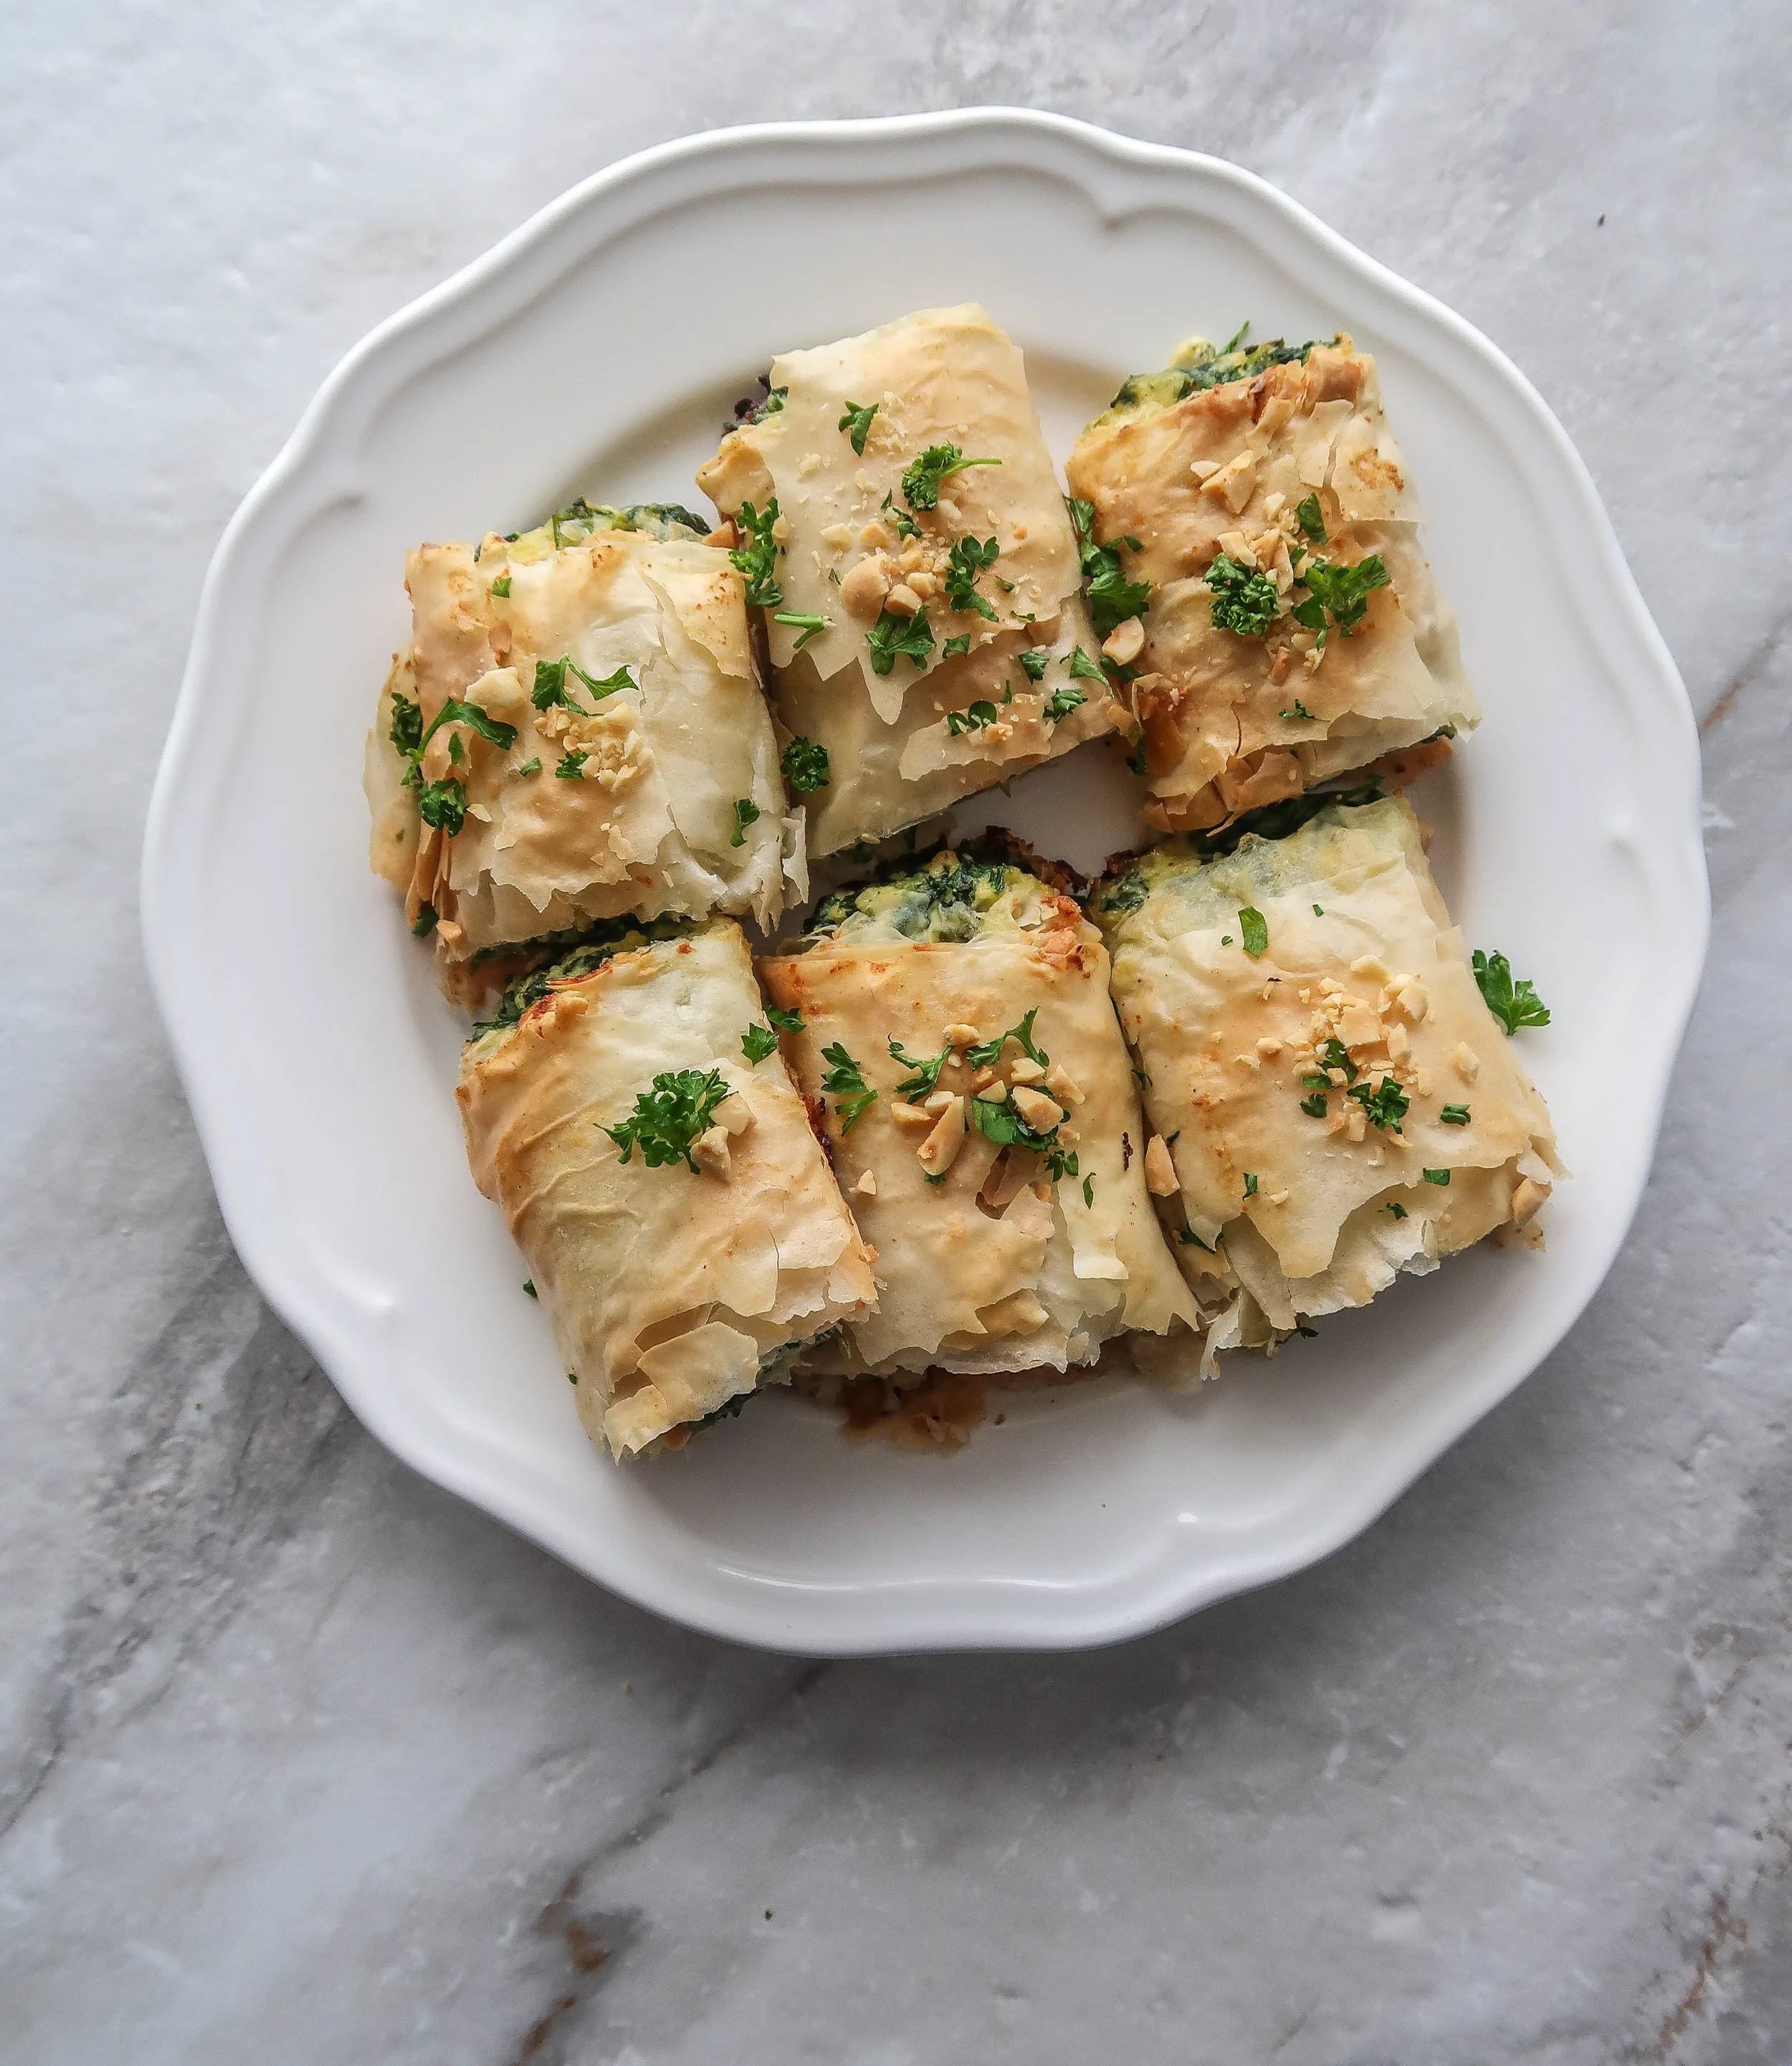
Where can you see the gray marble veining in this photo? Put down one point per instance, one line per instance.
(300, 1759)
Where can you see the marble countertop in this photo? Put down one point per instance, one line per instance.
(302, 1760)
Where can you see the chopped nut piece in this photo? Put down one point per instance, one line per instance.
(1410, 996)
(913, 555)
(1467, 1062)
(940, 1150)
(1026, 1070)
(923, 585)
(1355, 1122)
(733, 1115)
(984, 1076)
(902, 600)
(911, 1116)
(711, 1151)
(1358, 1026)
(863, 589)
(1269, 1046)
(1249, 1061)
(938, 1101)
(839, 535)
(992, 1092)
(1204, 469)
(1527, 1200)
(1125, 643)
(960, 1034)
(1278, 1198)
(1367, 965)
(1160, 1172)
(1037, 1109)
(1399, 1043)
(1062, 1085)
(874, 537)
(867, 1185)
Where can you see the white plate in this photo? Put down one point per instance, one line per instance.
(598, 349)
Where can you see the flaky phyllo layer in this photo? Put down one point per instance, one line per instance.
(577, 732)
(902, 529)
(951, 1027)
(629, 1110)
(1340, 1103)
(1293, 631)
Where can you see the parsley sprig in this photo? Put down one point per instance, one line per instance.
(1513, 1004)
(668, 1120)
(1032, 662)
(443, 804)
(1386, 1104)
(969, 559)
(1065, 698)
(845, 1083)
(1245, 601)
(808, 622)
(805, 766)
(892, 635)
(550, 688)
(856, 424)
(1112, 598)
(989, 1053)
(757, 1042)
(926, 1068)
(921, 477)
(1338, 594)
(747, 812)
(979, 717)
(758, 558)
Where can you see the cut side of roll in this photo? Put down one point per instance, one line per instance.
(1293, 631)
(953, 1033)
(577, 732)
(682, 1230)
(1339, 1103)
(902, 529)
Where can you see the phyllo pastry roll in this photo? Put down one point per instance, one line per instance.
(1337, 1101)
(576, 732)
(951, 1030)
(628, 1109)
(1293, 629)
(902, 528)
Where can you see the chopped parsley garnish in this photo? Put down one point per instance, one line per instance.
(1311, 519)
(1112, 598)
(747, 812)
(758, 558)
(1082, 668)
(921, 477)
(1334, 1055)
(550, 687)
(807, 622)
(1314, 1106)
(443, 804)
(1003, 1125)
(1339, 595)
(1454, 1115)
(1136, 760)
(668, 1118)
(906, 527)
(978, 718)
(785, 1021)
(757, 1042)
(500, 587)
(805, 766)
(1386, 1104)
(1397, 1209)
(1089, 1192)
(1319, 910)
(1250, 1183)
(1033, 663)
(856, 424)
(989, 1053)
(1253, 932)
(570, 767)
(927, 1067)
(1243, 601)
(426, 921)
(1513, 1004)
(955, 646)
(528, 1285)
(1065, 698)
(968, 560)
(1435, 1175)
(531, 766)
(845, 1083)
(1141, 1079)
(891, 634)
(1300, 713)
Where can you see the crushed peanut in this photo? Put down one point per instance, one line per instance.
(1368, 964)
(1062, 1086)
(1160, 1172)
(711, 1151)
(1124, 644)
(1036, 1108)
(911, 1116)
(733, 1115)
(839, 535)
(960, 1034)
(867, 1185)
(940, 1150)
(1026, 1070)
(1467, 1062)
